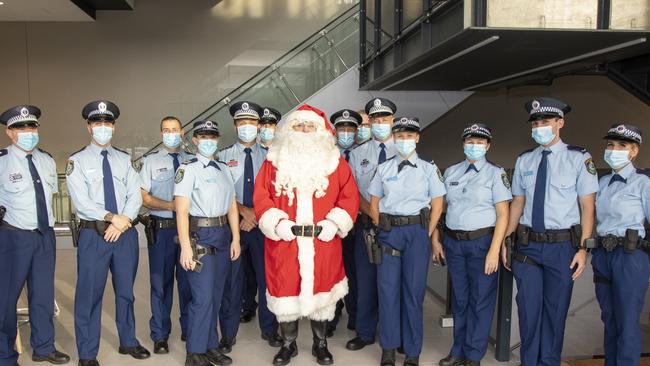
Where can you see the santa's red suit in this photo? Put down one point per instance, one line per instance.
(305, 276)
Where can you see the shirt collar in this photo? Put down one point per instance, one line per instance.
(388, 143)
(205, 161)
(478, 164)
(626, 171)
(413, 159)
(15, 150)
(555, 148)
(241, 146)
(97, 149)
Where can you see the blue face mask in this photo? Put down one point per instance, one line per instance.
(102, 134)
(405, 147)
(27, 140)
(247, 133)
(617, 159)
(363, 134)
(267, 134)
(207, 147)
(172, 140)
(474, 151)
(345, 139)
(543, 135)
(380, 130)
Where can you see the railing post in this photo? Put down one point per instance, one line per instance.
(604, 14)
(479, 13)
(284, 81)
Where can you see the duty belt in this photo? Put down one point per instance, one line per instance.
(365, 220)
(469, 235)
(403, 220)
(202, 250)
(100, 226)
(306, 230)
(203, 222)
(550, 236)
(610, 242)
(163, 223)
(8, 226)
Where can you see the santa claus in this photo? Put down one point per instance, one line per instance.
(305, 200)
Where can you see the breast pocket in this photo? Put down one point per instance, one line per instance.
(94, 177)
(16, 186)
(565, 185)
(163, 176)
(454, 191)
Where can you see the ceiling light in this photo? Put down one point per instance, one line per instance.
(2, 2)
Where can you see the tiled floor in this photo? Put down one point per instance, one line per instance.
(250, 350)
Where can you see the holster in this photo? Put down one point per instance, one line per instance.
(425, 217)
(384, 222)
(372, 247)
(631, 241)
(510, 242)
(149, 229)
(198, 265)
(75, 230)
(522, 234)
(576, 235)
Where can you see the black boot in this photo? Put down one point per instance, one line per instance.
(319, 349)
(387, 357)
(289, 333)
(196, 359)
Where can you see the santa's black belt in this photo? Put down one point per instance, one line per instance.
(163, 223)
(201, 222)
(306, 230)
(469, 235)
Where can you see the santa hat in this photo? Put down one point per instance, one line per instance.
(308, 113)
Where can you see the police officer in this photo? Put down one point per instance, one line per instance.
(363, 132)
(267, 125)
(208, 232)
(406, 202)
(105, 191)
(478, 195)
(157, 176)
(363, 162)
(552, 211)
(244, 160)
(345, 124)
(27, 182)
(619, 262)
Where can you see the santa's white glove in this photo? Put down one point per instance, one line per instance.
(283, 229)
(328, 231)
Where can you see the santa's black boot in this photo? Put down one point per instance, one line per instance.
(319, 349)
(288, 333)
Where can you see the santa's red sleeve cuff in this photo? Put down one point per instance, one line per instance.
(342, 220)
(269, 220)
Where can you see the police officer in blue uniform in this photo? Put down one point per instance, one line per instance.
(406, 204)
(105, 191)
(552, 212)
(208, 232)
(620, 264)
(267, 125)
(345, 124)
(364, 161)
(478, 196)
(363, 131)
(27, 182)
(244, 159)
(157, 176)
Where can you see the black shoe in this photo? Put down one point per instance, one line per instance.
(319, 348)
(284, 355)
(330, 330)
(472, 363)
(273, 339)
(226, 343)
(357, 343)
(196, 359)
(387, 357)
(411, 361)
(161, 347)
(246, 316)
(351, 326)
(400, 350)
(137, 352)
(451, 361)
(55, 357)
(92, 362)
(217, 358)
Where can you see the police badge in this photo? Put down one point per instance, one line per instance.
(69, 168)
(179, 175)
(591, 167)
(505, 180)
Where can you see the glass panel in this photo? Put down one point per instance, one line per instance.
(576, 14)
(412, 11)
(630, 14)
(388, 16)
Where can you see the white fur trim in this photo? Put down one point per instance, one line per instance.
(269, 221)
(305, 116)
(323, 305)
(342, 219)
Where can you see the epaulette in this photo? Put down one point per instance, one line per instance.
(638, 171)
(45, 152)
(120, 150)
(4, 152)
(365, 142)
(78, 151)
(150, 153)
(496, 165)
(226, 148)
(190, 161)
(577, 148)
(527, 151)
(219, 161)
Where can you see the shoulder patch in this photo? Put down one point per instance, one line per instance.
(643, 172)
(78, 151)
(45, 152)
(180, 174)
(190, 161)
(4, 152)
(69, 168)
(527, 151)
(591, 167)
(505, 180)
(137, 165)
(577, 148)
(439, 175)
(120, 150)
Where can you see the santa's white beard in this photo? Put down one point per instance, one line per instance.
(303, 161)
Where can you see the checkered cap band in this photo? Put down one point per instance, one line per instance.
(477, 131)
(342, 119)
(623, 131)
(380, 109)
(22, 119)
(542, 110)
(406, 122)
(242, 113)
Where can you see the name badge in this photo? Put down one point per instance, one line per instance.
(392, 179)
(212, 180)
(162, 170)
(453, 183)
(233, 163)
(15, 177)
(528, 173)
(365, 162)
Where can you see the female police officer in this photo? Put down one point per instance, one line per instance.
(478, 193)
(406, 203)
(208, 232)
(619, 263)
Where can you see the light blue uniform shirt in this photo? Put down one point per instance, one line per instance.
(85, 179)
(157, 176)
(364, 160)
(570, 174)
(623, 206)
(409, 191)
(210, 190)
(235, 157)
(17, 192)
(472, 196)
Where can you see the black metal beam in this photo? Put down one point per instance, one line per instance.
(87, 8)
(604, 14)
(363, 73)
(425, 26)
(398, 24)
(377, 66)
(504, 316)
(479, 13)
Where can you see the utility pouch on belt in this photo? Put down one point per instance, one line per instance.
(631, 241)
(510, 248)
(3, 210)
(149, 230)
(523, 234)
(372, 247)
(425, 217)
(75, 229)
(590, 243)
(384, 222)
(198, 252)
(576, 235)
